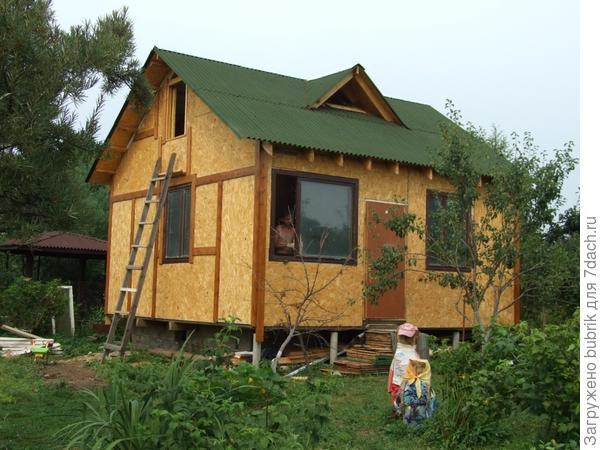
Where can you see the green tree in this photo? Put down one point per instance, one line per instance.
(520, 197)
(45, 74)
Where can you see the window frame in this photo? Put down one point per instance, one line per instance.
(315, 177)
(432, 266)
(173, 108)
(178, 259)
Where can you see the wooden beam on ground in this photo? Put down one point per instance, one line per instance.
(369, 164)
(310, 155)
(339, 160)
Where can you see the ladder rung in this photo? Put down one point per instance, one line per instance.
(124, 289)
(112, 347)
(138, 246)
(156, 200)
(122, 313)
(158, 178)
(132, 267)
(146, 223)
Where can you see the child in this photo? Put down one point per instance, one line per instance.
(416, 400)
(405, 350)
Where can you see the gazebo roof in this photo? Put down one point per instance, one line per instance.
(58, 243)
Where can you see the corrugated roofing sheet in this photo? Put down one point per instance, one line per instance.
(272, 107)
(59, 240)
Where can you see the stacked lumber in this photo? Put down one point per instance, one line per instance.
(374, 356)
(297, 356)
(10, 346)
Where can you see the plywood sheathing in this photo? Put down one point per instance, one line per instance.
(216, 149)
(185, 291)
(206, 215)
(427, 304)
(119, 250)
(236, 249)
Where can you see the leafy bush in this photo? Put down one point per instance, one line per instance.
(31, 304)
(513, 369)
(199, 403)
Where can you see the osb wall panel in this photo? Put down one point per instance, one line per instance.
(185, 291)
(341, 303)
(215, 148)
(178, 146)
(206, 215)
(427, 304)
(145, 304)
(135, 168)
(119, 249)
(236, 249)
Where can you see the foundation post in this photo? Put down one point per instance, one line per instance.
(256, 351)
(455, 339)
(333, 347)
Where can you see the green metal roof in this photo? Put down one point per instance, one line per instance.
(266, 106)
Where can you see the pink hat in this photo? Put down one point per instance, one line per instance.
(407, 329)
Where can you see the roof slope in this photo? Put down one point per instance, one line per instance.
(266, 106)
(64, 241)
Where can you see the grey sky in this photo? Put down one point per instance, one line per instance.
(512, 63)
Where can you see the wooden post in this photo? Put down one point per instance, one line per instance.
(256, 351)
(423, 346)
(455, 339)
(28, 265)
(333, 347)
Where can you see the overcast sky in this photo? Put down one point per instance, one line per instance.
(512, 63)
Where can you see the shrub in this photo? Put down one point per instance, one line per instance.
(31, 304)
(512, 370)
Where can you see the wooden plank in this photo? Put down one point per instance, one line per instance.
(217, 275)
(204, 251)
(192, 214)
(108, 240)
(131, 237)
(339, 160)
(336, 87)
(268, 148)
(223, 176)
(143, 134)
(19, 332)
(188, 155)
(259, 242)
(369, 164)
(127, 196)
(429, 173)
(310, 155)
(396, 168)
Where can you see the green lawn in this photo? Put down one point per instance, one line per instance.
(32, 411)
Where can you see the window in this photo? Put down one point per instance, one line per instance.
(447, 236)
(313, 217)
(177, 226)
(178, 109)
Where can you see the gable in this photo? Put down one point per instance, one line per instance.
(342, 112)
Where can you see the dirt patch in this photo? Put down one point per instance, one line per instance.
(74, 372)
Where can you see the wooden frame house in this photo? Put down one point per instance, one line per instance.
(251, 147)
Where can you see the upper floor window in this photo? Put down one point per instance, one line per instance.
(447, 233)
(177, 97)
(177, 225)
(313, 217)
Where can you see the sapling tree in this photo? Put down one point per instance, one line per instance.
(503, 191)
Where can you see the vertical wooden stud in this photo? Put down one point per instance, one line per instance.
(217, 279)
(333, 347)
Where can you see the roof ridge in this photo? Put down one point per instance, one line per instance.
(233, 64)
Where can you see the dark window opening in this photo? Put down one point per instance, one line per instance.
(178, 95)
(447, 238)
(177, 226)
(314, 217)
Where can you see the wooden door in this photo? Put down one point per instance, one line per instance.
(391, 304)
